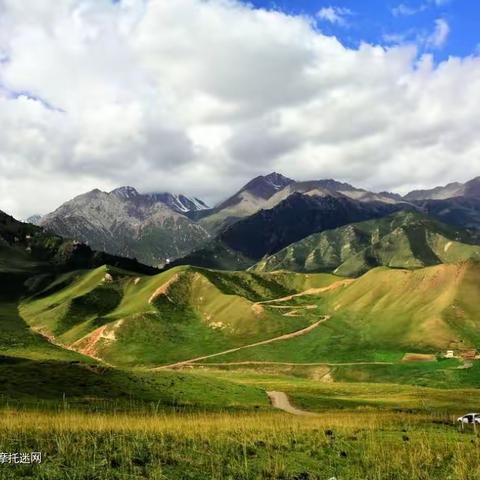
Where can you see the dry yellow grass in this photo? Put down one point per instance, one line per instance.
(350, 445)
(197, 423)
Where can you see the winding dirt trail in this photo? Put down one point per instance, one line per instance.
(309, 292)
(291, 364)
(282, 402)
(287, 336)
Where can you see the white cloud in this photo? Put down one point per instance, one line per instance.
(203, 104)
(440, 35)
(336, 15)
(403, 10)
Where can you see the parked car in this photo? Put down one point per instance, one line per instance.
(470, 418)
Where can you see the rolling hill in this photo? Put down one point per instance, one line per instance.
(126, 319)
(383, 315)
(405, 239)
(37, 372)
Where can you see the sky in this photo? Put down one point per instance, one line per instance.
(389, 22)
(199, 96)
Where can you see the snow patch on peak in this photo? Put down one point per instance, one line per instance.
(178, 202)
(125, 192)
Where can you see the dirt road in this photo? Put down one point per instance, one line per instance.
(292, 364)
(281, 401)
(287, 336)
(311, 291)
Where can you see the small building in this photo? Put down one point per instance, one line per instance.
(450, 354)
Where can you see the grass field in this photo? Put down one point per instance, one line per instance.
(355, 444)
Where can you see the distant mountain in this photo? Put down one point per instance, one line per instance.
(179, 203)
(28, 249)
(158, 228)
(463, 212)
(127, 223)
(469, 189)
(34, 219)
(268, 231)
(265, 192)
(332, 188)
(248, 200)
(404, 239)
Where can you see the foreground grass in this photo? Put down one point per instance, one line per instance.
(346, 445)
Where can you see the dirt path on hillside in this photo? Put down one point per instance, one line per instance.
(310, 291)
(291, 364)
(282, 402)
(287, 336)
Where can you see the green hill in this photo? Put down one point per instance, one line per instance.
(385, 314)
(403, 240)
(126, 319)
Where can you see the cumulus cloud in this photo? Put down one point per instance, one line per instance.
(198, 96)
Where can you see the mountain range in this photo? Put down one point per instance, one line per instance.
(469, 189)
(405, 239)
(265, 216)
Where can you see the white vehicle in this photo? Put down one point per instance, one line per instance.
(470, 418)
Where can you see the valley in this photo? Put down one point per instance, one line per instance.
(303, 361)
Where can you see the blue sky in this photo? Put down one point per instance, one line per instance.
(395, 21)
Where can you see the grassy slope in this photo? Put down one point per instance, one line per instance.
(177, 315)
(37, 373)
(385, 314)
(402, 240)
(81, 385)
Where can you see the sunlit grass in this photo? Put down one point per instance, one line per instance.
(346, 445)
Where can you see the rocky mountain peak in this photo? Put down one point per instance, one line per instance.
(266, 186)
(125, 193)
